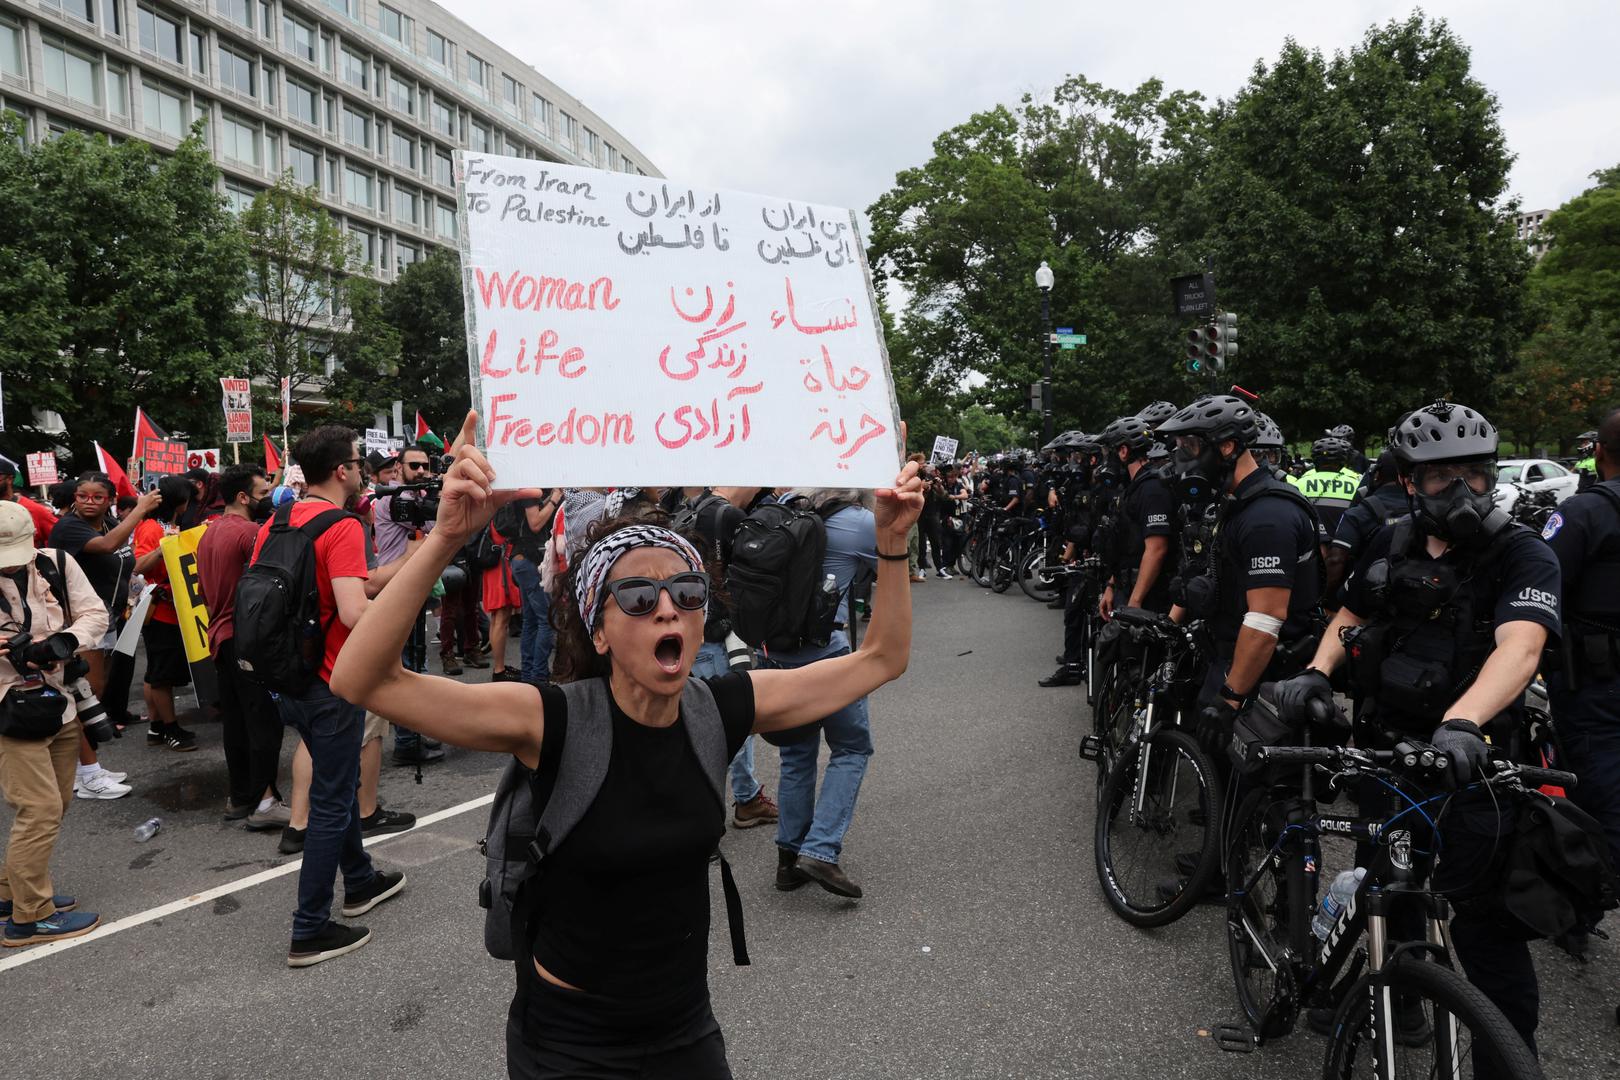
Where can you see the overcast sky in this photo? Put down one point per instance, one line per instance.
(825, 101)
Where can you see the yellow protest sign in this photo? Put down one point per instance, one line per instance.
(180, 556)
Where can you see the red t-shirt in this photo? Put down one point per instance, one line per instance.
(340, 552)
(44, 520)
(148, 535)
(222, 554)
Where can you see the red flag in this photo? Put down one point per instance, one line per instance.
(120, 478)
(144, 430)
(421, 426)
(272, 460)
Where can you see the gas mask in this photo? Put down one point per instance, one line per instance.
(1447, 502)
(1201, 474)
(1110, 473)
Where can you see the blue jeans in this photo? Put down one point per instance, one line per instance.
(711, 663)
(536, 641)
(332, 729)
(811, 825)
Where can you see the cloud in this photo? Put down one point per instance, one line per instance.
(827, 101)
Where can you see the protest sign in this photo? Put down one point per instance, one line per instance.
(237, 402)
(180, 558)
(42, 468)
(203, 459)
(163, 457)
(944, 449)
(377, 440)
(629, 330)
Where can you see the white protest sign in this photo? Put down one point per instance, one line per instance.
(377, 440)
(944, 449)
(207, 458)
(237, 400)
(628, 330)
(42, 468)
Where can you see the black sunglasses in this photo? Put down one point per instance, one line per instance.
(637, 596)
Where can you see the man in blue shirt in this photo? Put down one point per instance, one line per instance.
(810, 832)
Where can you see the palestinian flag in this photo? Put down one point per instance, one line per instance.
(109, 465)
(272, 460)
(145, 430)
(422, 427)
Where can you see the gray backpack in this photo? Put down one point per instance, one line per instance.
(534, 812)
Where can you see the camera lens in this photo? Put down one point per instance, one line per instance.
(92, 714)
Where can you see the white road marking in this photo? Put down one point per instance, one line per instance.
(30, 953)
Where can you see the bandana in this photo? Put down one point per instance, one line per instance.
(599, 560)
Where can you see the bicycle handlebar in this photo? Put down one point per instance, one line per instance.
(1414, 755)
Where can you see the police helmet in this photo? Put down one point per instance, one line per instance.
(1331, 448)
(1131, 432)
(1345, 432)
(1444, 431)
(1215, 417)
(1157, 413)
(1267, 436)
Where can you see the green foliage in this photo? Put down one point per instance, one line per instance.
(1581, 271)
(987, 432)
(1563, 382)
(120, 276)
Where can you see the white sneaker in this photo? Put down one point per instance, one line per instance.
(943, 573)
(115, 777)
(100, 785)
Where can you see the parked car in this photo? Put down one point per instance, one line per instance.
(1533, 474)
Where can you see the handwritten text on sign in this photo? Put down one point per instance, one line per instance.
(629, 330)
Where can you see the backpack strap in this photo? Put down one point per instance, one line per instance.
(580, 767)
(707, 732)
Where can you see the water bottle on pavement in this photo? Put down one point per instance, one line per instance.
(147, 829)
(1343, 888)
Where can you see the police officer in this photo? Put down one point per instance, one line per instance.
(1268, 447)
(1446, 614)
(1079, 591)
(1330, 484)
(1584, 533)
(1262, 595)
(1357, 460)
(1586, 447)
(1383, 503)
(1141, 558)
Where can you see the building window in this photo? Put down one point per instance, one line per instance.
(478, 137)
(117, 91)
(403, 148)
(359, 188)
(438, 51)
(444, 118)
(160, 34)
(477, 73)
(446, 220)
(305, 165)
(272, 151)
(239, 140)
(540, 115)
(404, 255)
(199, 53)
(355, 68)
(356, 128)
(11, 48)
(407, 206)
(163, 110)
(298, 38)
(303, 103)
(238, 11)
(613, 157)
(266, 21)
(237, 198)
(80, 9)
(570, 132)
(443, 168)
(236, 72)
(72, 74)
(593, 147)
(112, 17)
(511, 94)
(401, 95)
(366, 244)
(394, 25)
(271, 78)
(341, 6)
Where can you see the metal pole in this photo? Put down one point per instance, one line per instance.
(1046, 368)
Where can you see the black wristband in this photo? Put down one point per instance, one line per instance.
(1230, 694)
(902, 557)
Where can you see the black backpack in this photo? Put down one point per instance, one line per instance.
(279, 634)
(775, 576)
(482, 552)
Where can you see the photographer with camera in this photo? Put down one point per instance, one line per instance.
(48, 612)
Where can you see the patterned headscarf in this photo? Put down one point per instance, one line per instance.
(599, 560)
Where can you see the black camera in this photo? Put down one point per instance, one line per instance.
(412, 504)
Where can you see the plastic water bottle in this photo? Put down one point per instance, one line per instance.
(1343, 888)
(147, 829)
(829, 588)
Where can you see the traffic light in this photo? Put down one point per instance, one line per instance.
(1221, 339)
(1195, 350)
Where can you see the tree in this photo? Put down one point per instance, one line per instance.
(121, 275)
(302, 261)
(1356, 223)
(1562, 383)
(1580, 274)
(413, 332)
(988, 432)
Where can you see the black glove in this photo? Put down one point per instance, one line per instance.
(1215, 726)
(51, 650)
(1464, 744)
(1294, 696)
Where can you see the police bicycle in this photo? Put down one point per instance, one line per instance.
(1157, 831)
(1279, 964)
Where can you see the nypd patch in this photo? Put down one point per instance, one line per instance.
(1554, 523)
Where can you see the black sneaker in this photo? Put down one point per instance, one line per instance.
(386, 821)
(507, 675)
(292, 840)
(1066, 675)
(176, 738)
(384, 884)
(417, 755)
(335, 939)
(788, 874)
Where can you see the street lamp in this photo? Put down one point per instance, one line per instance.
(1043, 281)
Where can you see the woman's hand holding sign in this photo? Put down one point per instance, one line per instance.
(469, 499)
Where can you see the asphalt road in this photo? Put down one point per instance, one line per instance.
(982, 948)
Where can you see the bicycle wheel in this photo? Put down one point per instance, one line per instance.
(1029, 578)
(982, 555)
(1257, 917)
(1467, 1034)
(1004, 566)
(1157, 839)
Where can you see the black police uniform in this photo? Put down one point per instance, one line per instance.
(1384, 505)
(1428, 626)
(1145, 509)
(1584, 533)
